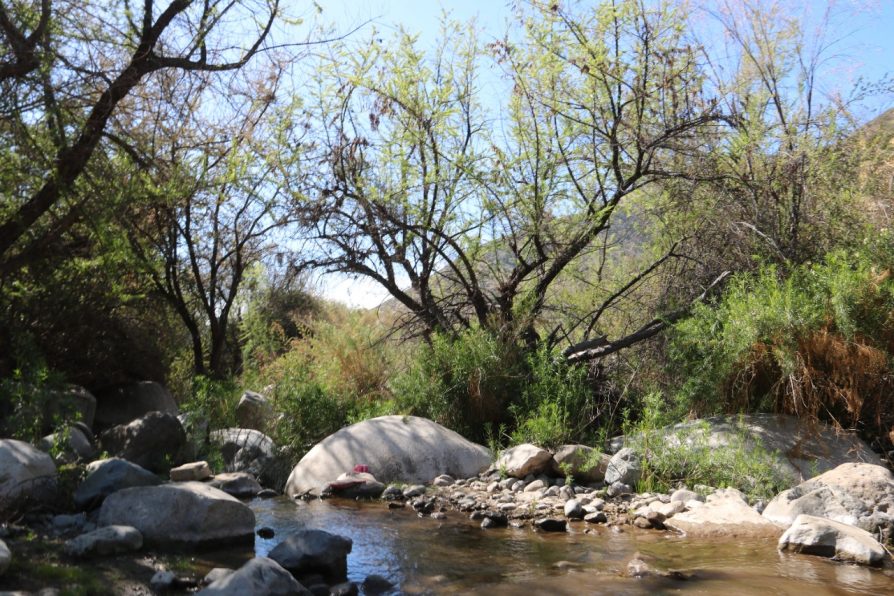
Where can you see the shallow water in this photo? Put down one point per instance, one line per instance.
(455, 556)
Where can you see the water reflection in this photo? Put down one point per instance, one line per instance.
(455, 556)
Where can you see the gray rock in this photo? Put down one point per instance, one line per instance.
(574, 509)
(849, 494)
(261, 576)
(216, 574)
(416, 490)
(597, 517)
(404, 449)
(314, 551)
(442, 480)
(254, 411)
(683, 495)
(548, 524)
(624, 467)
(162, 581)
(376, 584)
(5, 557)
(106, 476)
(725, 513)
(534, 486)
(108, 540)
(75, 445)
(67, 522)
(197, 470)
(187, 513)
(616, 489)
(154, 441)
(525, 459)
(247, 450)
(124, 403)
(26, 473)
(826, 538)
(241, 485)
(585, 463)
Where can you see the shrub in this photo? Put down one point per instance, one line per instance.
(816, 344)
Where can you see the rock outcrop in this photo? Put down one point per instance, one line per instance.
(395, 448)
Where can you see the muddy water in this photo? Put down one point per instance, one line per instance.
(454, 556)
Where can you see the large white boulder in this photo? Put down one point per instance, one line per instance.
(826, 538)
(186, 513)
(396, 449)
(26, 473)
(524, 459)
(855, 494)
(725, 513)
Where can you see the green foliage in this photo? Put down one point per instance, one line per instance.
(32, 404)
(685, 456)
(813, 343)
(213, 401)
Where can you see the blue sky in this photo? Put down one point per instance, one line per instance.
(862, 33)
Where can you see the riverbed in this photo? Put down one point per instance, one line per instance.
(421, 555)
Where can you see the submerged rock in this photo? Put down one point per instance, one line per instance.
(404, 449)
(826, 538)
(188, 513)
(314, 551)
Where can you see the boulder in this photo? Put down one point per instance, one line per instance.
(525, 459)
(247, 450)
(26, 473)
(187, 513)
(725, 513)
(122, 404)
(74, 445)
(261, 576)
(107, 476)
(241, 485)
(108, 540)
(314, 551)
(197, 470)
(855, 494)
(826, 538)
(5, 557)
(403, 449)
(803, 450)
(624, 467)
(154, 441)
(254, 411)
(587, 465)
(72, 403)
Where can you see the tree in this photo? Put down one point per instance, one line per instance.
(67, 67)
(466, 226)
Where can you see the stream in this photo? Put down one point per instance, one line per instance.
(455, 556)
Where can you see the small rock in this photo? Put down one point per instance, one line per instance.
(66, 522)
(624, 467)
(535, 485)
(259, 576)
(314, 551)
(162, 580)
(197, 470)
(216, 574)
(417, 490)
(266, 532)
(494, 520)
(548, 524)
(376, 584)
(344, 589)
(241, 485)
(683, 495)
(826, 538)
(526, 459)
(596, 518)
(573, 509)
(267, 493)
(617, 489)
(442, 480)
(392, 492)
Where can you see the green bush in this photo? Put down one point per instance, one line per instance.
(815, 343)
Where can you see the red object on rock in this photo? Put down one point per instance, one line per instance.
(361, 468)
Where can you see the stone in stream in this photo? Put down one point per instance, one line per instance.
(524, 460)
(108, 540)
(493, 519)
(26, 473)
(261, 576)
(405, 449)
(597, 517)
(107, 476)
(376, 584)
(197, 470)
(573, 509)
(187, 513)
(725, 513)
(314, 551)
(241, 485)
(826, 538)
(152, 442)
(856, 494)
(548, 524)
